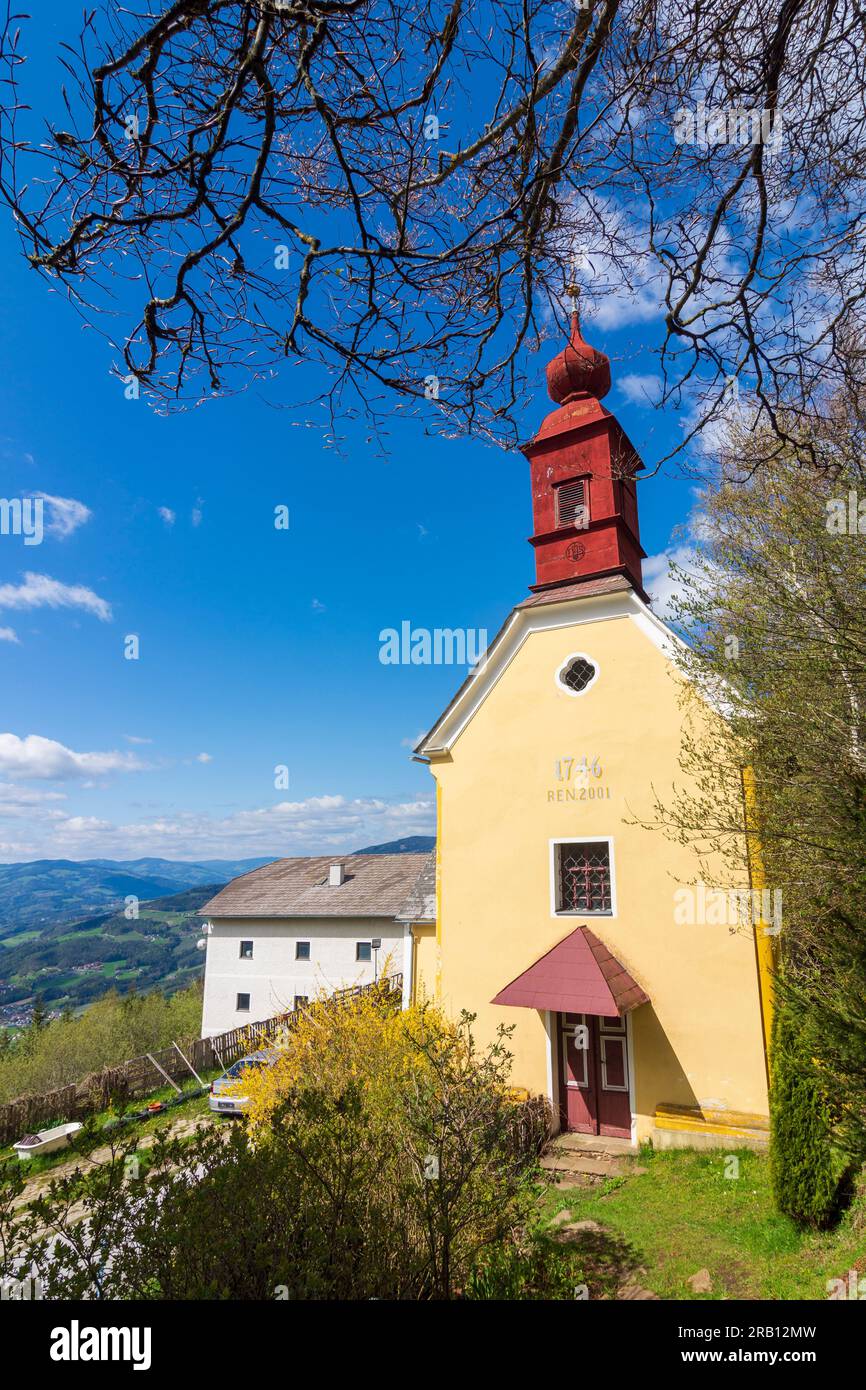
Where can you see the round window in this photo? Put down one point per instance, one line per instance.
(577, 674)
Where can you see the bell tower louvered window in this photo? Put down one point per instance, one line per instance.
(571, 504)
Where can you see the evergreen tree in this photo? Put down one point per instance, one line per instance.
(773, 607)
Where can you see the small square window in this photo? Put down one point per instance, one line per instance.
(302, 950)
(243, 1004)
(583, 878)
(364, 950)
(246, 950)
(301, 1001)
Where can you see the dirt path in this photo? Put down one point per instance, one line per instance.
(181, 1128)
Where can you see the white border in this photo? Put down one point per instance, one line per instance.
(551, 1070)
(577, 656)
(408, 964)
(562, 1053)
(631, 1082)
(579, 839)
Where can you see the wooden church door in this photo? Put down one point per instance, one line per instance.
(593, 1075)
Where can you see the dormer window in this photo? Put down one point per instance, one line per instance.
(572, 508)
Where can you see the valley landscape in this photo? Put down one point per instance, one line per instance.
(70, 931)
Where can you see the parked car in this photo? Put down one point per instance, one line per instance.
(224, 1097)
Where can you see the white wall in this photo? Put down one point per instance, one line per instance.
(273, 977)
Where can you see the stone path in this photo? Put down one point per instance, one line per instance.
(36, 1186)
(570, 1165)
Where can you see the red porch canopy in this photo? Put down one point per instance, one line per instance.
(578, 976)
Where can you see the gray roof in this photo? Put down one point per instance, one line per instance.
(375, 885)
(420, 906)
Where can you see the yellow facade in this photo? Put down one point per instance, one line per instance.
(497, 757)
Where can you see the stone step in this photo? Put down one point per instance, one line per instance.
(593, 1143)
(590, 1165)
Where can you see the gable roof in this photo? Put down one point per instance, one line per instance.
(375, 885)
(579, 975)
(571, 605)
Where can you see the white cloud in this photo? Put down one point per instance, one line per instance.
(41, 591)
(318, 607)
(196, 514)
(660, 583)
(319, 825)
(134, 738)
(65, 515)
(39, 757)
(413, 742)
(8, 634)
(204, 758)
(168, 516)
(19, 803)
(638, 389)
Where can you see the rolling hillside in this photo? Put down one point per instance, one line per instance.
(47, 892)
(70, 965)
(64, 934)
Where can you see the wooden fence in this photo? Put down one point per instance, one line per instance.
(139, 1076)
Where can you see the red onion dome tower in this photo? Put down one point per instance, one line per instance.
(583, 468)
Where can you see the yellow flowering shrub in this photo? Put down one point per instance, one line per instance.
(400, 1150)
(361, 1040)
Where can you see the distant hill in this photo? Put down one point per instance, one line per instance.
(413, 844)
(71, 964)
(45, 892)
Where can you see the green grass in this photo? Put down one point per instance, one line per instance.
(93, 1135)
(67, 936)
(683, 1215)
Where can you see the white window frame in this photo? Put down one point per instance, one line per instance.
(364, 960)
(309, 946)
(243, 994)
(567, 1030)
(578, 839)
(576, 656)
(242, 954)
(622, 1039)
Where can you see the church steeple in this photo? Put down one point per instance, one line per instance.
(583, 467)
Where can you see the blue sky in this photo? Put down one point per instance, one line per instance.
(258, 647)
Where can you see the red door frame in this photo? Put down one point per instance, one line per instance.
(599, 1096)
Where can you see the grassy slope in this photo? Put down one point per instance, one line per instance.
(684, 1215)
(155, 950)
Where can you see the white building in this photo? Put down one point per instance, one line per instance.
(296, 928)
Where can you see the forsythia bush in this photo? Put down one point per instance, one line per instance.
(405, 1139)
(384, 1158)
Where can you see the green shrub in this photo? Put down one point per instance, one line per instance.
(805, 1165)
(338, 1186)
(538, 1268)
(114, 1029)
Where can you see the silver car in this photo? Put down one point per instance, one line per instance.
(224, 1098)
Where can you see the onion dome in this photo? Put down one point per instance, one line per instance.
(579, 370)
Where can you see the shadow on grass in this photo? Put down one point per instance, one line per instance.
(606, 1258)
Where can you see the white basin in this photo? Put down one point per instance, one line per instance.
(46, 1141)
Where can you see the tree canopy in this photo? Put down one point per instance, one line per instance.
(399, 191)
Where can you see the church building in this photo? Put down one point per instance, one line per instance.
(555, 907)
